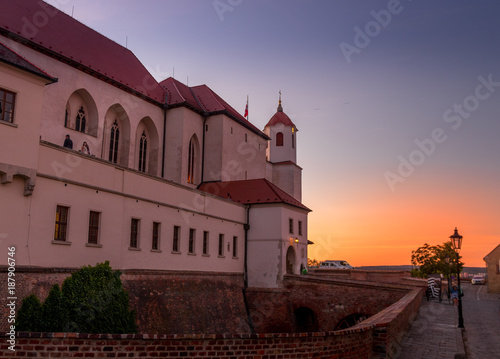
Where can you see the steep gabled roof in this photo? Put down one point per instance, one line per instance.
(203, 100)
(489, 254)
(71, 42)
(255, 191)
(12, 58)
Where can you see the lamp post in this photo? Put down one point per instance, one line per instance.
(456, 241)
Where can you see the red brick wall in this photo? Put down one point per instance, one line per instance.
(391, 324)
(165, 302)
(347, 344)
(330, 300)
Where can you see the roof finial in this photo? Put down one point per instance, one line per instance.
(280, 109)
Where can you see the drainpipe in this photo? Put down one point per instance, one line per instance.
(246, 226)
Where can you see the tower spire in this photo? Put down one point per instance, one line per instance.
(280, 109)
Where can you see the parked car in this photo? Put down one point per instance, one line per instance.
(335, 265)
(477, 279)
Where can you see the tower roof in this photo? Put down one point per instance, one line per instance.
(280, 117)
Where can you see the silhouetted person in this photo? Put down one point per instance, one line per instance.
(68, 143)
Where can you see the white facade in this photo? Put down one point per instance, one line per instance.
(134, 200)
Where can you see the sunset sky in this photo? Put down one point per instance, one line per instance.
(397, 105)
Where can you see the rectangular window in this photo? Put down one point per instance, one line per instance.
(221, 245)
(205, 242)
(7, 102)
(235, 247)
(192, 234)
(134, 233)
(175, 242)
(94, 227)
(155, 243)
(300, 228)
(61, 230)
(290, 225)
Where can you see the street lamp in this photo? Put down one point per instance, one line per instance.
(456, 241)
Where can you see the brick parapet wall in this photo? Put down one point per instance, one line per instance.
(391, 324)
(348, 344)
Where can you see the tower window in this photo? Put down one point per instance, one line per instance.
(293, 140)
(279, 139)
(290, 225)
(221, 245)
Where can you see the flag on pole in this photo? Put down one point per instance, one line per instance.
(246, 110)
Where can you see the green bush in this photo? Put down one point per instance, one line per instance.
(92, 300)
(29, 318)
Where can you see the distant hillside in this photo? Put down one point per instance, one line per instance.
(468, 270)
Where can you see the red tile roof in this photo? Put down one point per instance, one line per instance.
(66, 39)
(203, 99)
(251, 192)
(281, 117)
(12, 58)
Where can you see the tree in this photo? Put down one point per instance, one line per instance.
(312, 262)
(92, 300)
(432, 259)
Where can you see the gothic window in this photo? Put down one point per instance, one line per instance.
(191, 159)
(7, 100)
(142, 152)
(279, 139)
(113, 143)
(80, 120)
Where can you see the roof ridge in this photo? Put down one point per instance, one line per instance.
(174, 82)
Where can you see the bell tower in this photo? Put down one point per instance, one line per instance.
(281, 153)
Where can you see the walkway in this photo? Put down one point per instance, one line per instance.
(434, 333)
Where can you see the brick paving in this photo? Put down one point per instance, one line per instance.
(435, 334)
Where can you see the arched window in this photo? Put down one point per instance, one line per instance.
(190, 178)
(279, 139)
(80, 120)
(143, 144)
(113, 143)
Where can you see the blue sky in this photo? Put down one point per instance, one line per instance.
(359, 116)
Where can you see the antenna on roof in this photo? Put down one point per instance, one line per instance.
(187, 81)
(73, 10)
(173, 72)
(126, 42)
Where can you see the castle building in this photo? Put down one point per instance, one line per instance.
(99, 161)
